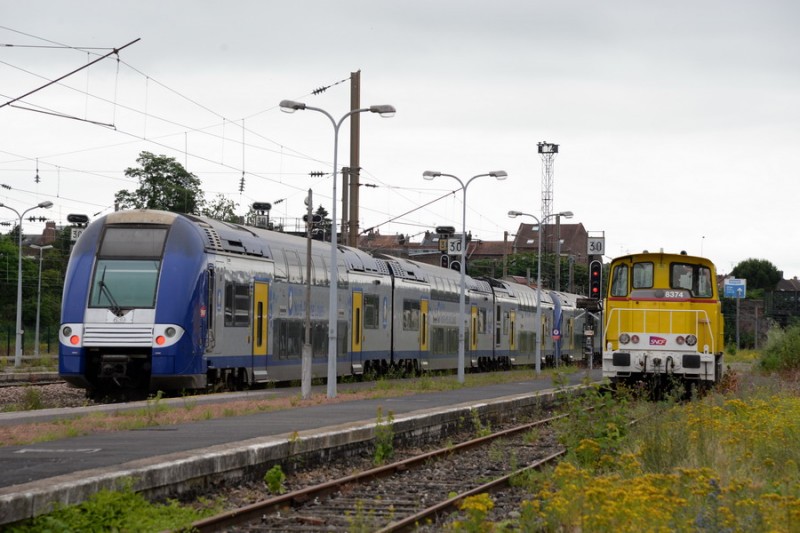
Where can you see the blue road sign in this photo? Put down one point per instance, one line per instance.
(735, 288)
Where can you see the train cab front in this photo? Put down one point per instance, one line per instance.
(639, 355)
(113, 359)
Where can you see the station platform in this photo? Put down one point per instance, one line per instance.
(166, 460)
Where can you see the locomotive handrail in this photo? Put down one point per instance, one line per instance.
(701, 317)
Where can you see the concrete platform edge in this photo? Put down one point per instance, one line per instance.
(179, 473)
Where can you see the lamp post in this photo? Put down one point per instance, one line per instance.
(429, 175)
(290, 106)
(18, 347)
(39, 294)
(514, 214)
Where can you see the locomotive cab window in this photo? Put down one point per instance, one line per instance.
(695, 278)
(643, 276)
(619, 281)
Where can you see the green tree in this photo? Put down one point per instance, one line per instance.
(761, 275)
(221, 208)
(163, 184)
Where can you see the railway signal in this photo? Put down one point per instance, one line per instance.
(595, 277)
(445, 261)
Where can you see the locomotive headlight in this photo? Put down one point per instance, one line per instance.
(170, 332)
(635, 339)
(67, 331)
(691, 340)
(624, 338)
(680, 340)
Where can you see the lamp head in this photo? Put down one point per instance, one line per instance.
(566, 214)
(430, 174)
(290, 106)
(514, 214)
(46, 204)
(499, 174)
(385, 110)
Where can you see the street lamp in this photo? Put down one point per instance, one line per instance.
(429, 175)
(514, 214)
(290, 106)
(18, 347)
(39, 294)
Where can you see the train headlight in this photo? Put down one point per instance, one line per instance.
(67, 331)
(635, 339)
(691, 340)
(680, 340)
(624, 338)
(165, 335)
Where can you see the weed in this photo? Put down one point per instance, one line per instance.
(122, 510)
(154, 407)
(32, 399)
(480, 429)
(497, 451)
(274, 478)
(384, 438)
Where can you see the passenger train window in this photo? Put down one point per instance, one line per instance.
(296, 273)
(410, 315)
(643, 276)
(481, 320)
(237, 304)
(371, 311)
(619, 281)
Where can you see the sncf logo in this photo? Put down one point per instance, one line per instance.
(658, 341)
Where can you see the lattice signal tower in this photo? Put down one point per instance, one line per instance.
(547, 151)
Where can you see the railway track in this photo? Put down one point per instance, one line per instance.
(403, 495)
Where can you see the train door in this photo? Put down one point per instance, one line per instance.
(260, 329)
(423, 327)
(512, 332)
(473, 337)
(358, 327)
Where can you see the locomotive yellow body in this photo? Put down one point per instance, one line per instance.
(662, 320)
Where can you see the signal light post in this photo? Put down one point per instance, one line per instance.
(595, 279)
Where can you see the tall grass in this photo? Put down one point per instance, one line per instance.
(719, 463)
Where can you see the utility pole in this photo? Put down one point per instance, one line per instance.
(355, 165)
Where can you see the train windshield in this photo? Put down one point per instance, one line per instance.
(128, 263)
(124, 284)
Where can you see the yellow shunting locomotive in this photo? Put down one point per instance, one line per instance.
(663, 321)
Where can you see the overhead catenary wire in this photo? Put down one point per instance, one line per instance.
(115, 51)
(252, 135)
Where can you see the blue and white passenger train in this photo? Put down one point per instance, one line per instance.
(163, 301)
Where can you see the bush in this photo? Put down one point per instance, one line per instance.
(782, 351)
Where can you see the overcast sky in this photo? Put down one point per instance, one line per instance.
(678, 122)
